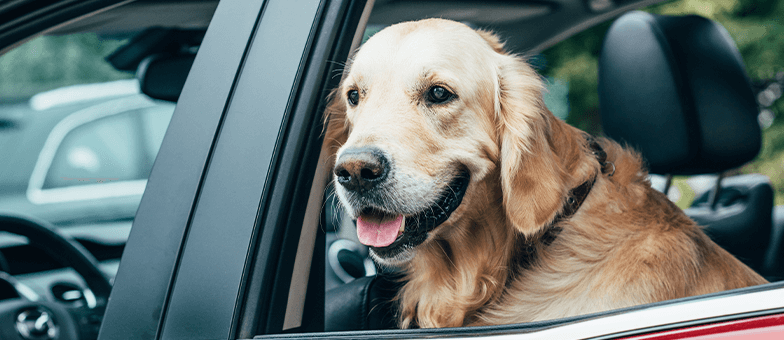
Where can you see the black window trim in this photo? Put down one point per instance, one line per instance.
(235, 193)
(139, 301)
(270, 306)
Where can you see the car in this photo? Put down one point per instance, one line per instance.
(229, 239)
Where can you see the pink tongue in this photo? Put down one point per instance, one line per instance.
(378, 233)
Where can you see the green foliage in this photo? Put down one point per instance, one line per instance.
(771, 158)
(49, 62)
(757, 26)
(574, 62)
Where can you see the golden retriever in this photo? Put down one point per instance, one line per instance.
(497, 211)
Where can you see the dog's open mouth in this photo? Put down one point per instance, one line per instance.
(389, 234)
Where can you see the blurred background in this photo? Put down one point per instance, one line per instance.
(50, 62)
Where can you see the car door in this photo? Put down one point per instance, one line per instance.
(213, 249)
(225, 243)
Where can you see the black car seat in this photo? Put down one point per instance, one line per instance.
(675, 88)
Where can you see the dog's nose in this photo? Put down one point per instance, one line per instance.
(361, 168)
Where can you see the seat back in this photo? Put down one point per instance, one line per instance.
(676, 89)
(362, 304)
(741, 221)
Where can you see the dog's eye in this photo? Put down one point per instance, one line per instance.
(353, 97)
(439, 95)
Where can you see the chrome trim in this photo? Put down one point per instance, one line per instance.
(657, 316)
(35, 192)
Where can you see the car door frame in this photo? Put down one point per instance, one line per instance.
(212, 250)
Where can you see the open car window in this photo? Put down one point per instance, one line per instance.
(571, 78)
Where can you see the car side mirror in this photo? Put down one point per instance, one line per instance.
(162, 76)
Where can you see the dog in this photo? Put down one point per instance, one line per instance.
(495, 210)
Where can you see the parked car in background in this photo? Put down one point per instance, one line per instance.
(79, 145)
(207, 219)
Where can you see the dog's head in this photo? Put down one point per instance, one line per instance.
(427, 110)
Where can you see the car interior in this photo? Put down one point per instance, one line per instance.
(708, 102)
(707, 105)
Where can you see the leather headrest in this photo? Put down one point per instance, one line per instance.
(675, 88)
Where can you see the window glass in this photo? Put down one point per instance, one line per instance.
(51, 62)
(121, 147)
(104, 150)
(72, 120)
(78, 140)
(42, 82)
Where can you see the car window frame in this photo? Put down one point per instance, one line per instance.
(229, 219)
(291, 278)
(139, 302)
(219, 225)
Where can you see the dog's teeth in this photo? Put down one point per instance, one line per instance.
(403, 225)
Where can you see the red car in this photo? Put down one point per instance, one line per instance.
(232, 238)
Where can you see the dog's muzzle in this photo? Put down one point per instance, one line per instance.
(364, 173)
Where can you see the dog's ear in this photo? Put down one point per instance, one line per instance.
(492, 40)
(335, 125)
(532, 175)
